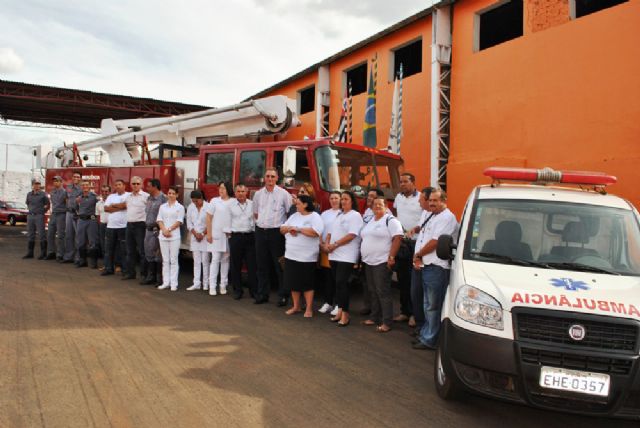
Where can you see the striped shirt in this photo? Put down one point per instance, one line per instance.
(271, 207)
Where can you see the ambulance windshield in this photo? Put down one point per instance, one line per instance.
(358, 171)
(566, 236)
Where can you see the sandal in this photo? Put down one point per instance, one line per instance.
(308, 314)
(368, 322)
(293, 311)
(335, 319)
(383, 329)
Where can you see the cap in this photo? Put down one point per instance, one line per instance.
(57, 178)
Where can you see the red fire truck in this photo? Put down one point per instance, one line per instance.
(240, 156)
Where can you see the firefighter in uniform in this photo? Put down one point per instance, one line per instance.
(73, 191)
(57, 220)
(87, 229)
(38, 204)
(151, 243)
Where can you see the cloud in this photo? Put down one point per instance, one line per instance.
(10, 62)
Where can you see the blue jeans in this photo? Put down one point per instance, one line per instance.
(434, 282)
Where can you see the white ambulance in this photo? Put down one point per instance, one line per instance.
(543, 305)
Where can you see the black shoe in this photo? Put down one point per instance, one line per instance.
(282, 302)
(260, 301)
(422, 347)
(127, 276)
(59, 259)
(67, 261)
(105, 273)
(28, 256)
(365, 312)
(50, 257)
(81, 264)
(237, 296)
(42, 257)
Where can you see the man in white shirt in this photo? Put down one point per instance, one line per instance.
(242, 242)
(270, 207)
(408, 210)
(136, 204)
(435, 271)
(115, 237)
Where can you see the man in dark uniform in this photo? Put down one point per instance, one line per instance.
(87, 229)
(55, 235)
(73, 191)
(151, 243)
(38, 204)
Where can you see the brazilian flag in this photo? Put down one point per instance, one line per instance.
(369, 130)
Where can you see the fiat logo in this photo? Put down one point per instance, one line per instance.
(577, 332)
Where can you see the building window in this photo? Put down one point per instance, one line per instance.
(585, 7)
(358, 77)
(499, 24)
(252, 167)
(219, 167)
(307, 99)
(410, 56)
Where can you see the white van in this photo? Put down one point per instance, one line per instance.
(543, 305)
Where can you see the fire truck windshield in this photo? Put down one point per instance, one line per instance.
(345, 169)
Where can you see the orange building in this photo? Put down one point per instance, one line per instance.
(512, 83)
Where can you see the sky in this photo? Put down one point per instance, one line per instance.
(212, 53)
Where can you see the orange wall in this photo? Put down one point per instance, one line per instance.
(416, 103)
(567, 97)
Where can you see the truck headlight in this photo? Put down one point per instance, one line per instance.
(478, 307)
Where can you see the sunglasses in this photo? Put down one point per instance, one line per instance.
(136, 184)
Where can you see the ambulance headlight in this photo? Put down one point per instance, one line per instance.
(477, 307)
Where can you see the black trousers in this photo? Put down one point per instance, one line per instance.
(341, 272)
(404, 268)
(243, 251)
(135, 247)
(328, 285)
(114, 242)
(269, 250)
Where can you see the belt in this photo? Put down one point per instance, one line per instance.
(242, 233)
(71, 210)
(152, 228)
(87, 217)
(267, 228)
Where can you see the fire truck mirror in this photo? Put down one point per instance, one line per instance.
(289, 162)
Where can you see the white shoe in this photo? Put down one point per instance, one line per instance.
(194, 287)
(206, 287)
(163, 286)
(223, 289)
(325, 308)
(174, 288)
(335, 310)
(212, 292)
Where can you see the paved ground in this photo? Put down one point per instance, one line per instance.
(79, 350)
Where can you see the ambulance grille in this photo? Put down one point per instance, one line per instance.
(542, 326)
(613, 366)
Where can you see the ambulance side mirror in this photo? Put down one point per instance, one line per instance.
(289, 162)
(445, 247)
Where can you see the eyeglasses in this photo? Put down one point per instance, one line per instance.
(136, 184)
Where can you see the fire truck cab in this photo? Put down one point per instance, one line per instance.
(543, 305)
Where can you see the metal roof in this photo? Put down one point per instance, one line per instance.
(73, 107)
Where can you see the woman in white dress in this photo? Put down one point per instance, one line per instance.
(197, 227)
(170, 218)
(218, 229)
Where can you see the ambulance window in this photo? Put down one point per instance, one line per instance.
(219, 167)
(303, 174)
(252, 167)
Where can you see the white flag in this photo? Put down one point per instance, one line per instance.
(396, 131)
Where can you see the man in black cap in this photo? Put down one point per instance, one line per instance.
(38, 204)
(55, 234)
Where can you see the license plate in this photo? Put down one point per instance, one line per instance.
(575, 381)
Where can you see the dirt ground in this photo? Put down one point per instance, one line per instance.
(81, 350)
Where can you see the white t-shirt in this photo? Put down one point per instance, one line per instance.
(168, 215)
(303, 248)
(376, 239)
(346, 224)
(408, 210)
(368, 215)
(443, 223)
(100, 212)
(327, 218)
(118, 219)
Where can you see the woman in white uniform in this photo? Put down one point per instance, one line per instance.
(302, 234)
(218, 228)
(197, 227)
(329, 285)
(170, 218)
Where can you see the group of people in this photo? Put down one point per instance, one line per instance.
(282, 239)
